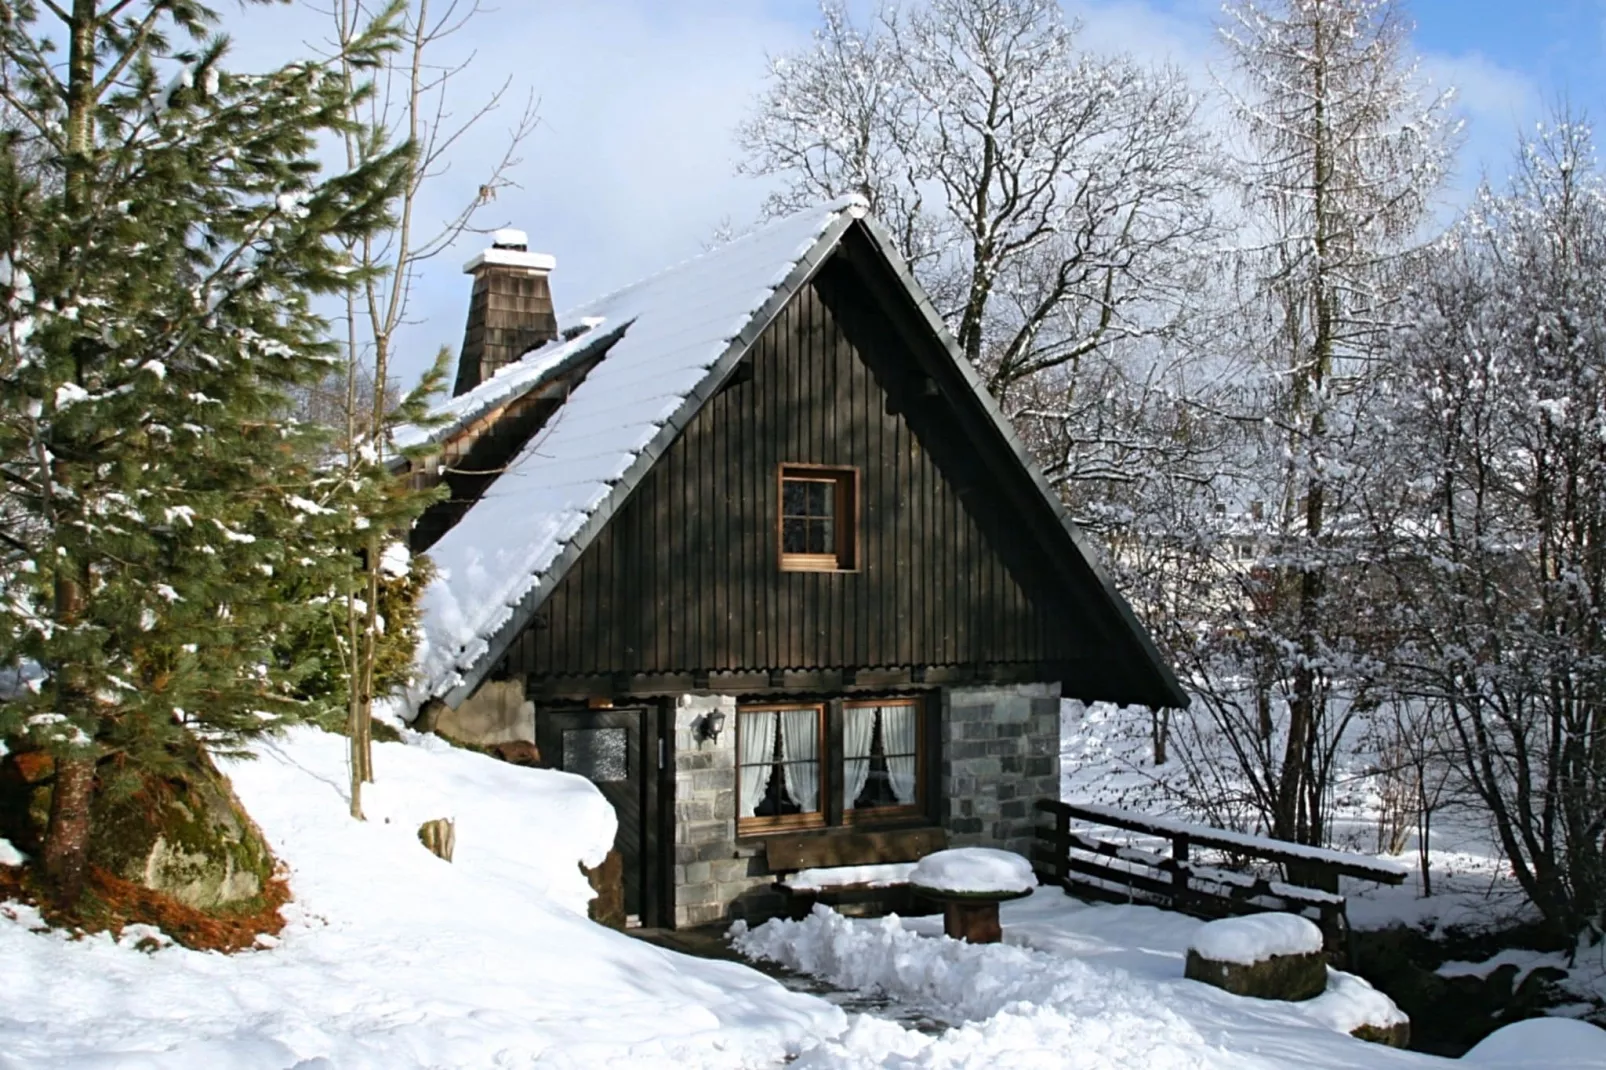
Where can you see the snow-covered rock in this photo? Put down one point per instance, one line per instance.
(981, 870)
(1264, 956)
(1256, 938)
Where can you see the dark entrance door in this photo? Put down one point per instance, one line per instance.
(607, 748)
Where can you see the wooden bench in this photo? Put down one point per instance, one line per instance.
(856, 873)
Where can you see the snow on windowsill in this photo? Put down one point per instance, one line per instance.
(884, 875)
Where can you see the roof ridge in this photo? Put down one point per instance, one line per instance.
(852, 203)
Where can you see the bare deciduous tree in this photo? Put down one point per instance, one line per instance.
(1043, 194)
(1503, 578)
(412, 106)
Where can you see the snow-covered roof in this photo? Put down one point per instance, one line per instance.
(509, 382)
(674, 329)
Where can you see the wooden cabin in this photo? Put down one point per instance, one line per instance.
(749, 545)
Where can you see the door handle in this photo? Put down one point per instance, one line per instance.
(663, 752)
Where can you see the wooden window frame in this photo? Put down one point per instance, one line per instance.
(757, 826)
(845, 519)
(882, 815)
(835, 811)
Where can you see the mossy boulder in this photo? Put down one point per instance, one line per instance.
(182, 834)
(1285, 977)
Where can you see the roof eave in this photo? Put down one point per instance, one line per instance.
(1171, 693)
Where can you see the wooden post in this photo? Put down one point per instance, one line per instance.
(975, 922)
(440, 836)
(1062, 849)
(1180, 847)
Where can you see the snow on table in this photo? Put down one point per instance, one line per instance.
(1256, 938)
(976, 870)
(885, 875)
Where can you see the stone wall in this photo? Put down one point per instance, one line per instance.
(496, 713)
(714, 879)
(1000, 753)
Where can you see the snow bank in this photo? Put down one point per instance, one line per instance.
(1256, 938)
(1350, 1002)
(974, 869)
(9, 855)
(392, 959)
(1542, 1044)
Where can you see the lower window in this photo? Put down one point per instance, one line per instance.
(880, 758)
(786, 781)
(778, 781)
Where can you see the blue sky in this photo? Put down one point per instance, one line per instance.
(633, 166)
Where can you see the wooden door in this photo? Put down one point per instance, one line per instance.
(608, 748)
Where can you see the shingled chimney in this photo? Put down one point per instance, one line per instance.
(510, 312)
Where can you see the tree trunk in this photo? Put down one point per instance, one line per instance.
(65, 857)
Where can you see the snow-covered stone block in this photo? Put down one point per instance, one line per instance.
(1267, 956)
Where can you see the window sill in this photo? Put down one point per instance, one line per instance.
(748, 828)
(870, 822)
(810, 563)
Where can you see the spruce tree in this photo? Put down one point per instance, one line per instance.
(165, 230)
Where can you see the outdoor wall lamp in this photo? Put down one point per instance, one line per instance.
(711, 725)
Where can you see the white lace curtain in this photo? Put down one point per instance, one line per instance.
(800, 750)
(757, 756)
(898, 743)
(858, 730)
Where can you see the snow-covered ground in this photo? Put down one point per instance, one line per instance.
(393, 959)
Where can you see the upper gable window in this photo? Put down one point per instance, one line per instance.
(818, 523)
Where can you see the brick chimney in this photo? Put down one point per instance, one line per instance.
(510, 312)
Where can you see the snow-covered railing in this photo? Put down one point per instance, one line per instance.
(1085, 864)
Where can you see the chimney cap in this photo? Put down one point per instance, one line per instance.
(509, 238)
(517, 257)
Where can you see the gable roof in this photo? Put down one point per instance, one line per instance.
(674, 339)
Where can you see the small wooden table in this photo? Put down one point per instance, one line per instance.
(970, 916)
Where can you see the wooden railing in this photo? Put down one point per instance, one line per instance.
(1085, 865)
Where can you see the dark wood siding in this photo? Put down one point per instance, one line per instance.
(686, 576)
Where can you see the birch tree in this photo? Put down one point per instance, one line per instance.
(1345, 148)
